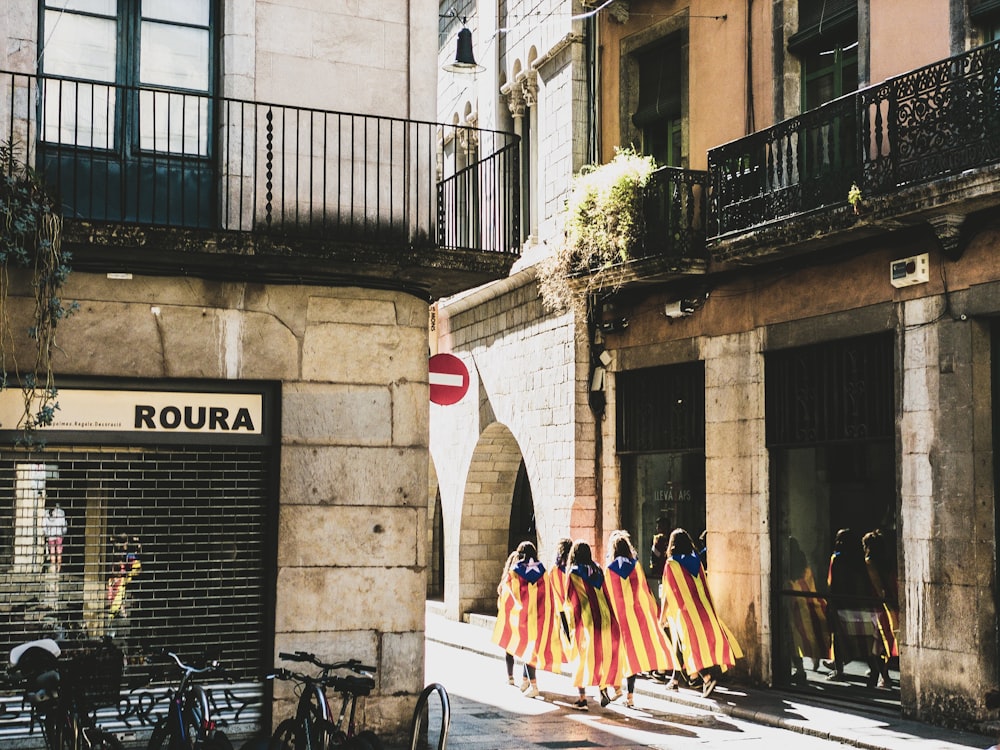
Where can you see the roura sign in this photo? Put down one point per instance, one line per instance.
(163, 412)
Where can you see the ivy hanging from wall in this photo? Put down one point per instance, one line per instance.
(603, 226)
(30, 241)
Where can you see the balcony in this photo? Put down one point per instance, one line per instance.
(162, 182)
(923, 147)
(675, 217)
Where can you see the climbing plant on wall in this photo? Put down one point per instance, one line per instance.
(30, 254)
(603, 224)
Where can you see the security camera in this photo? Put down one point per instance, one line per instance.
(679, 309)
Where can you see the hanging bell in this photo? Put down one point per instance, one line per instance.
(465, 61)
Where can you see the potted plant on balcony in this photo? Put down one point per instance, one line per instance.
(30, 255)
(603, 224)
(854, 198)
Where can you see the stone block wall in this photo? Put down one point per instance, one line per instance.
(523, 403)
(736, 490)
(948, 522)
(352, 502)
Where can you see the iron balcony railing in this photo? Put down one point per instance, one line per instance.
(674, 206)
(168, 158)
(933, 122)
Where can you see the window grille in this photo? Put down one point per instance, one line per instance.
(835, 391)
(661, 408)
(164, 548)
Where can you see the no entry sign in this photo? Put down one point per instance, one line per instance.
(448, 378)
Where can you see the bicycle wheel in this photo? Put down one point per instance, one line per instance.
(160, 738)
(286, 736)
(367, 740)
(323, 736)
(101, 740)
(218, 741)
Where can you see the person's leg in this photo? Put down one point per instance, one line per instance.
(510, 668)
(532, 690)
(581, 703)
(629, 691)
(707, 683)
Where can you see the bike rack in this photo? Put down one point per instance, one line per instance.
(434, 687)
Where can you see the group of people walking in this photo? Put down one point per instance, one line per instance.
(606, 622)
(858, 619)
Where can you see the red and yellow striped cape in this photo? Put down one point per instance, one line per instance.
(644, 646)
(810, 633)
(593, 629)
(703, 639)
(886, 615)
(527, 624)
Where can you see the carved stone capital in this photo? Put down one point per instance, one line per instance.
(619, 10)
(515, 101)
(948, 229)
(529, 86)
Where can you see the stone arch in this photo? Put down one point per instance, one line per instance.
(482, 543)
(435, 537)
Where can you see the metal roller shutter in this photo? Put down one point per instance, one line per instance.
(164, 548)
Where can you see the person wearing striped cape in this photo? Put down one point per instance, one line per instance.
(593, 629)
(527, 624)
(643, 646)
(705, 644)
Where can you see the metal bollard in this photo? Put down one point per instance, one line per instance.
(434, 687)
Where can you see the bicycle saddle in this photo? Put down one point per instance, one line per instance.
(48, 645)
(356, 685)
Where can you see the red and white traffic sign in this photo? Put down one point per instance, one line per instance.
(448, 378)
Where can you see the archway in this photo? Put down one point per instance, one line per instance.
(483, 543)
(435, 538)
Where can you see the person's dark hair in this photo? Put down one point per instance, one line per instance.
(680, 543)
(621, 545)
(847, 543)
(507, 567)
(562, 551)
(580, 554)
(797, 562)
(526, 551)
(662, 524)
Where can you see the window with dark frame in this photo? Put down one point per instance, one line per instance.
(659, 111)
(127, 101)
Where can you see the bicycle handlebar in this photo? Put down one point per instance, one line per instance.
(354, 665)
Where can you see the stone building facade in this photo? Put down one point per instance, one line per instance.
(809, 365)
(246, 240)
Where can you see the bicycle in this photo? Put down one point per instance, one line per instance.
(64, 695)
(313, 726)
(188, 724)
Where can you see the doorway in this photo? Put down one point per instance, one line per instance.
(830, 430)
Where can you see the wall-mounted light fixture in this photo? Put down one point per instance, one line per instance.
(465, 61)
(681, 308)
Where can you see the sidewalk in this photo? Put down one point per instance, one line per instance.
(849, 725)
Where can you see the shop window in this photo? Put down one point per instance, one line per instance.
(155, 548)
(126, 103)
(830, 434)
(661, 444)
(659, 113)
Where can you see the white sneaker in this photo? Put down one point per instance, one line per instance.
(531, 692)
